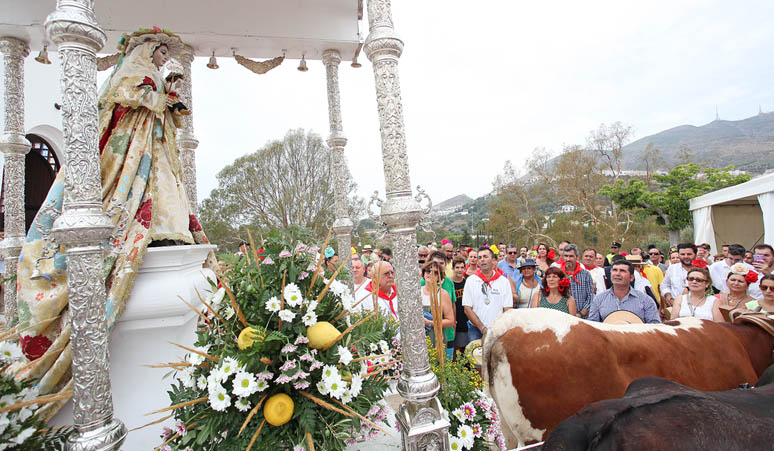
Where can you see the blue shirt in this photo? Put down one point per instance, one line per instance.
(635, 301)
(508, 270)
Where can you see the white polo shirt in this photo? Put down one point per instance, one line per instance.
(497, 292)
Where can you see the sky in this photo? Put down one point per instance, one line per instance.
(490, 83)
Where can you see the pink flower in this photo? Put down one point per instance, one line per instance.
(316, 364)
(301, 385)
(300, 247)
(264, 376)
(306, 358)
(301, 340)
(180, 428)
(284, 379)
(468, 410)
(303, 275)
(289, 365)
(300, 375)
(288, 349)
(285, 254)
(267, 261)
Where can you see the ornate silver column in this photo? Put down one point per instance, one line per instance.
(83, 227)
(422, 426)
(14, 146)
(342, 226)
(186, 140)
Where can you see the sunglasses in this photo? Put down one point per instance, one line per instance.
(767, 288)
(654, 253)
(513, 253)
(695, 279)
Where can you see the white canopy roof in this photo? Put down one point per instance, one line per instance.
(255, 28)
(741, 214)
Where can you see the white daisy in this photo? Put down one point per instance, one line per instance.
(201, 383)
(322, 388)
(330, 371)
(293, 295)
(186, 377)
(273, 304)
(384, 346)
(309, 319)
(455, 443)
(345, 356)
(261, 385)
(286, 315)
(356, 385)
(229, 312)
(312, 306)
(244, 384)
(24, 435)
(10, 351)
(217, 297)
(346, 397)
(336, 387)
(339, 289)
(347, 300)
(373, 347)
(242, 404)
(466, 435)
(460, 415)
(219, 399)
(228, 366)
(213, 381)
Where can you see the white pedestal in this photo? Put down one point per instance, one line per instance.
(153, 317)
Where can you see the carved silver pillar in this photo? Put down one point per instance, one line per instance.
(342, 226)
(14, 146)
(186, 140)
(422, 426)
(83, 227)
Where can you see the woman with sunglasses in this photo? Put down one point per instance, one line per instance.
(697, 302)
(738, 281)
(431, 272)
(765, 304)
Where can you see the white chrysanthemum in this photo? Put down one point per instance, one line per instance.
(322, 387)
(309, 319)
(186, 377)
(356, 385)
(347, 300)
(312, 306)
(374, 347)
(219, 399)
(201, 383)
(363, 368)
(10, 351)
(243, 404)
(460, 415)
(273, 304)
(335, 386)
(346, 397)
(384, 346)
(339, 289)
(244, 384)
(213, 381)
(293, 295)
(196, 359)
(330, 371)
(455, 443)
(228, 367)
(261, 385)
(345, 356)
(228, 312)
(465, 434)
(286, 315)
(217, 297)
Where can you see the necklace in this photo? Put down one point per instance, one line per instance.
(728, 298)
(691, 306)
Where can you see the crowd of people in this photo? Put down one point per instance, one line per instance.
(474, 285)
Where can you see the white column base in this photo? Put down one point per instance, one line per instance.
(154, 316)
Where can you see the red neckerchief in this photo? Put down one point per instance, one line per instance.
(388, 298)
(589, 268)
(497, 273)
(577, 270)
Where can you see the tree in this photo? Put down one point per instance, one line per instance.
(288, 182)
(668, 200)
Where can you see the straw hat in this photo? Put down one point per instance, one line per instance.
(623, 317)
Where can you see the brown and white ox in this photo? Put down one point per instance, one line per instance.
(543, 365)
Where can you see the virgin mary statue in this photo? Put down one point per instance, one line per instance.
(142, 192)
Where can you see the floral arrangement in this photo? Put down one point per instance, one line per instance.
(20, 403)
(475, 421)
(279, 361)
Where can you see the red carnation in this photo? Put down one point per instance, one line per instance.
(699, 263)
(564, 283)
(751, 277)
(551, 254)
(34, 347)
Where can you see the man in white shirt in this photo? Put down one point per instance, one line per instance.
(720, 269)
(588, 260)
(674, 279)
(487, 293)
(386, 297)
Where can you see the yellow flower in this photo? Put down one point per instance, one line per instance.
(278, 409)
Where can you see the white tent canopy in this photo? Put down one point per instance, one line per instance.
(741, 214)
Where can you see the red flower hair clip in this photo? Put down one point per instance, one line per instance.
(563, 284)
(699, 263)
(751, 277)
(551, 254)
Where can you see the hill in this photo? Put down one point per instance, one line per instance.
(748, 144)
(451, 204)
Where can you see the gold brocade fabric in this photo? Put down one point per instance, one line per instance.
(142, 192)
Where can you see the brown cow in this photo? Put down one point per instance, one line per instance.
(543, 365)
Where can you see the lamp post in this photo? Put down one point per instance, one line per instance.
(422, 426)
(83, 227)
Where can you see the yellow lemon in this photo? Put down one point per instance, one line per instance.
(321, 334)
(248, 336)
(278, 409)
